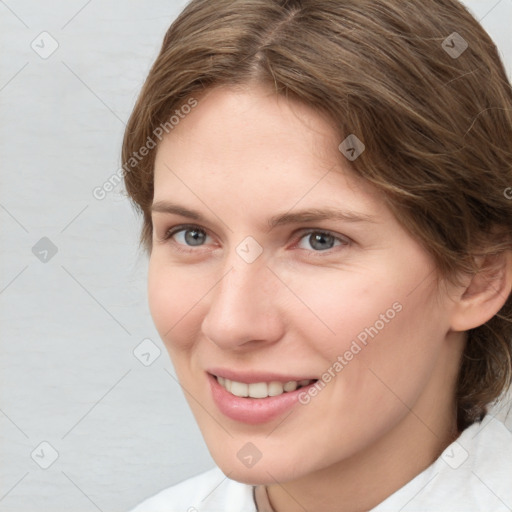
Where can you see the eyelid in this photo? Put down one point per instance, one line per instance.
(183, 227)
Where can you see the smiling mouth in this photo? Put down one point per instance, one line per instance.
(261, 389)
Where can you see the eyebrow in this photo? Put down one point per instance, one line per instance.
(308, 215)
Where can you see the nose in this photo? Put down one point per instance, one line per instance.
(243, 310)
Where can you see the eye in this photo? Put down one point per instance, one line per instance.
(320, 241)
(191, 236)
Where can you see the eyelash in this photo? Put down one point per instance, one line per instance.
(344, 241)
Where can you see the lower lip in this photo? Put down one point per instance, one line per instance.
(253, 410)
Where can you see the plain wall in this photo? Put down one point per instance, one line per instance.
(71, 321)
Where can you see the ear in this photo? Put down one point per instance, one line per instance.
(484, 293)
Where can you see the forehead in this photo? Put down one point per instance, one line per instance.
(229, 124)
(251, 145)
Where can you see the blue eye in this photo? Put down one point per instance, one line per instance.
(191, 236)
(320, 241)
(314, 241)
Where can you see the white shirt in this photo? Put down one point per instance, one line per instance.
(473, 474)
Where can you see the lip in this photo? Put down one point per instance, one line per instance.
(253, 377)
(253, 411)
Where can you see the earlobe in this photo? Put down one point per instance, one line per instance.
(485, 294)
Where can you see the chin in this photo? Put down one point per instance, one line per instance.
(266, 470)
(259, 474)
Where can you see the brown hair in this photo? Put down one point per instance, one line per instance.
(435, 117)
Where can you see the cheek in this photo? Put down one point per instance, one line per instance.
(173, 297)
(408, 349)
(341, 306)
(374, 321)
(398, 354)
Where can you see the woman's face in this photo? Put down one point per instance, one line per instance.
(281, 267)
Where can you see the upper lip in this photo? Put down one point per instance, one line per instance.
(251, 377)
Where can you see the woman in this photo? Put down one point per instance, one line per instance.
(329, 231)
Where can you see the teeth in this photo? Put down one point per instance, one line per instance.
(275, 388)
(258, 390)
(261, 389)
(290, 386)
(239, 389)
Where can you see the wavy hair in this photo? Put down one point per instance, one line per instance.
(419, 81)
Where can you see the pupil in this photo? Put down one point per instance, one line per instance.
(194, 237)
(321, 241)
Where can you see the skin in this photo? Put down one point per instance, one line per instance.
(240, 157)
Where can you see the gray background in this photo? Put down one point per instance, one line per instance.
(71, 374)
